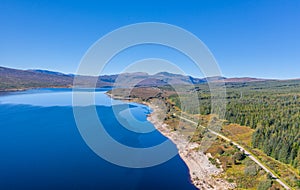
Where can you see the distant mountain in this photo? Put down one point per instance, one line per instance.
(48, 72)
(244, 79)
(215, 78)
(14, 79)
(159, 79)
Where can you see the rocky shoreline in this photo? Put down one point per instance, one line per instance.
(202, 172)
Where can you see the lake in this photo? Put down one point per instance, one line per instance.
(41, 147)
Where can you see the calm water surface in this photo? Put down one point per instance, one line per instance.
(41, 147)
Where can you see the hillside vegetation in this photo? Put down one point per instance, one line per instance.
(15, 79)
(271, 108)
(263, 116)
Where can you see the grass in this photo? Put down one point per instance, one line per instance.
(237, 170)
(237, 133)
(243, 134)
(284, 171)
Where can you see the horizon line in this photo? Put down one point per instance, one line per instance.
(199, 77)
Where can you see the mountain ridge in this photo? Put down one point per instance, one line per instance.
(16, 79)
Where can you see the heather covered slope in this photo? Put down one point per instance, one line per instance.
(15, 79)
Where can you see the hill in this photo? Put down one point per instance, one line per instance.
(15, 79)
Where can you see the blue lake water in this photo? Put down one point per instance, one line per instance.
(41, 147)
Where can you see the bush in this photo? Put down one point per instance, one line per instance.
(220, 151)
(264, 185)
(251, 170)
(269, 176)
(230, 180)
(249, 162)
(239, 156)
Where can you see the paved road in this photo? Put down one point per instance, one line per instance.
(242, 149)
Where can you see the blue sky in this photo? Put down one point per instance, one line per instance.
(248, 38)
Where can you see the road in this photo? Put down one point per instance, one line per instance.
(242, 149)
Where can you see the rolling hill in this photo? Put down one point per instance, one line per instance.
(15, 79)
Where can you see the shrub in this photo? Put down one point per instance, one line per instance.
(264, 185)
(220, 150)
(239, 156)
(251, 170)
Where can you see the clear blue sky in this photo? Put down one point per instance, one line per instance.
(248, 38)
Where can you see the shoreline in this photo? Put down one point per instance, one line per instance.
(201, 172)
(29, 88)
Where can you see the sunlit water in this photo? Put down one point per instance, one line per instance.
(41, 147)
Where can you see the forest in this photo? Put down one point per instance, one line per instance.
(272, 108)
